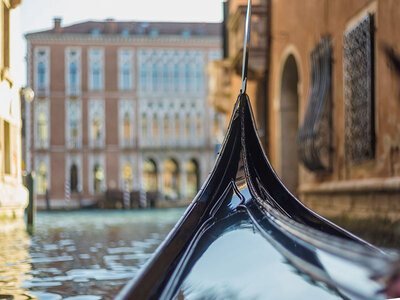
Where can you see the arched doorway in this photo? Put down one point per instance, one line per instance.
(73, 180)
(150, 175)
(289, 124)
(171, 179)
(193, 180)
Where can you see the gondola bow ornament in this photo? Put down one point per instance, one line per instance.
(244, 234)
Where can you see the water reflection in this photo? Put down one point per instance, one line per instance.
(14, 260)
(90, 254)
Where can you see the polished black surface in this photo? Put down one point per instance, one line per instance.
(244, 204)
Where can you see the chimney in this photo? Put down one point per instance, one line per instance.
(111, 26)
(57, 24)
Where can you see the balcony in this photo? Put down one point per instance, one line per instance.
(41, 91)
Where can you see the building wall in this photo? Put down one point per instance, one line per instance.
(287, 32)
(112, 154)
(13, 196)
(304, 25)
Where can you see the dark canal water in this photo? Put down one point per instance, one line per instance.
(83, 255)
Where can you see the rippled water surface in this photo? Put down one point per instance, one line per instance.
(80, 253)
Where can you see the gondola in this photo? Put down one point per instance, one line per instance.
(245, 236)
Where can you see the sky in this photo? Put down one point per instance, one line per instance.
(37, 15)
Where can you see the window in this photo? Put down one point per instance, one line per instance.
(74, 124)
(95, 31)
(97, 174)
(42, 124)
(41, 60)
(73, 178)
(150, 176)
(96, 69)
(154, 76)
(165, 77)
(199, 77)
(144, 126)
(171, 179)
(125, 117)
(127, 127)
(98, 177)
(192, 173)
(143, 77)
(177, 126)
(72, 72)
(96, 121)
(42, 169)
(127, 176)
(176, 77)
(187, 126)
(41, 178)
(41, 75)
(167, 127)
(125, 32)
(125, 59)
(155, 126)
(188, 78)
(198, 125)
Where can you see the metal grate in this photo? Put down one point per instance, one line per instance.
(315, 134)
(358, 91)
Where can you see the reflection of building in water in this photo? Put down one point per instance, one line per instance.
(121, 105)
(14, 260)
(325, 96)
(13, 196)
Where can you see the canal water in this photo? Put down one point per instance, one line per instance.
(90, 254)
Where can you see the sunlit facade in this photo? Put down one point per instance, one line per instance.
(121, 106)
(13, 196)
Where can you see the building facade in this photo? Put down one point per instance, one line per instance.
(331, 96)
(13, 195)
(121, 106)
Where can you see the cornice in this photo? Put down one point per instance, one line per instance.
(111, 39)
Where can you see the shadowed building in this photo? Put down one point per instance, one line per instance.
(13, 195)
(119, 106)
(329, 111)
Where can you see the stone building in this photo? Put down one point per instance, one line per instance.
(120, 106)
(13, 195)
(326, 98)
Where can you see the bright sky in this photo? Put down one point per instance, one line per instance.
(38, 14)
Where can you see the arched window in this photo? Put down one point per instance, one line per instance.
(127, 127)
(143, 77)
(155, 126)
(96, 128)
(127, 176)
(171, 179)
(198, 125)
(177, 126)
(98, 177)
(165, 77)
(192, 173)
(150, 176)
(167, 127)
(144, 125)
(154, 76)
(176, 77)
(73, 178)
(42, 128)
(188, 77)
(96, 76)
(199, 77)
(187, 126)
(41, 74)
(42, 179)
(73, 75)
(126, 76)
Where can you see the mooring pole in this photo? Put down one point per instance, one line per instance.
(31, 209)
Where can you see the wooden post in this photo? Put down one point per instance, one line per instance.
(31, 209)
